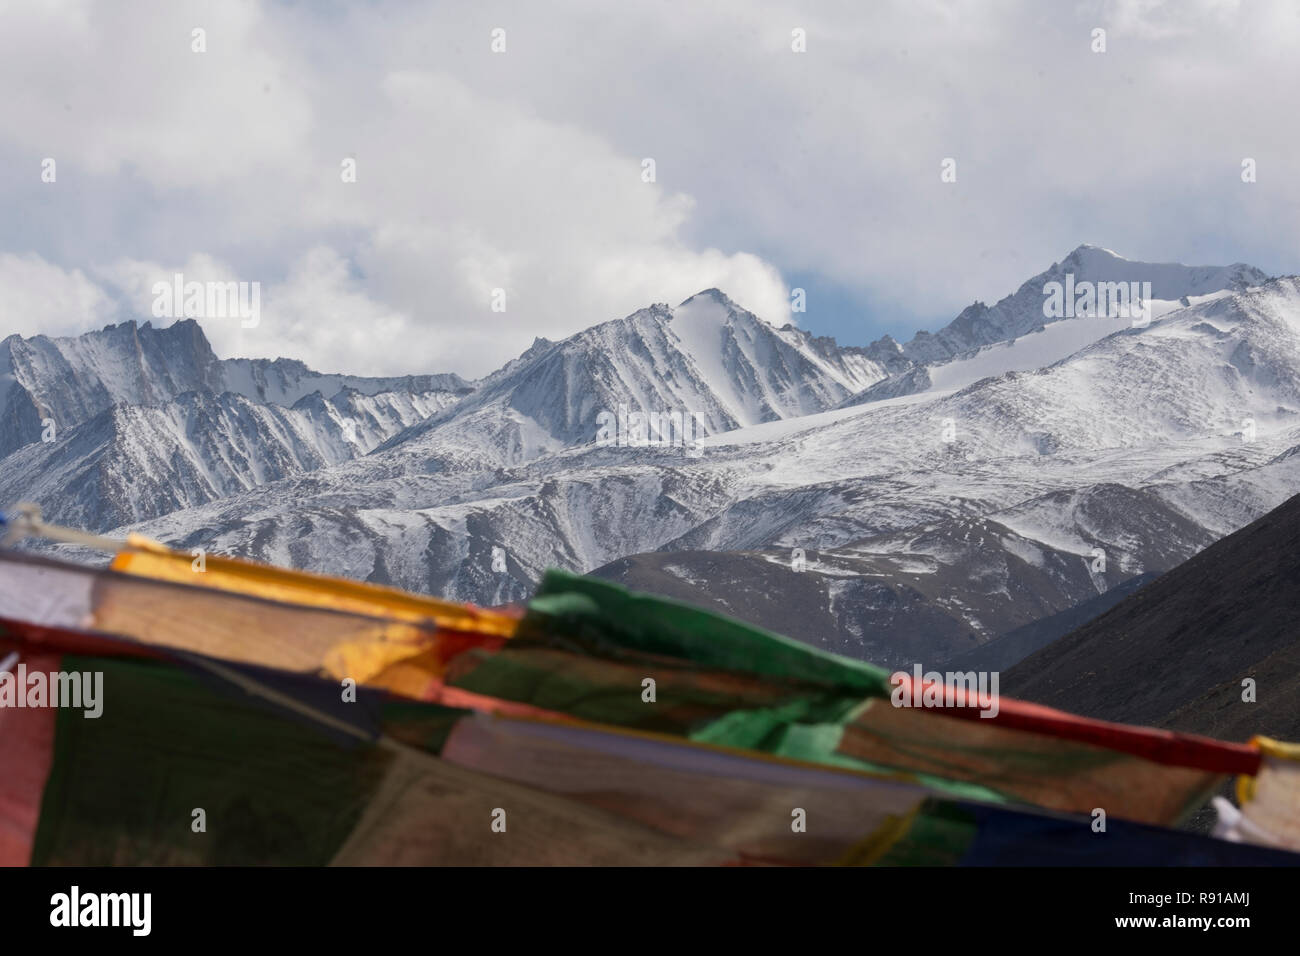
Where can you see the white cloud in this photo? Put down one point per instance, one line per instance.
(39, 297)
(116, 89)
(459, 191)
(523, 170)
(323, 307)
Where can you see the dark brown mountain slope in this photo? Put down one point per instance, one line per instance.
(1175, 653)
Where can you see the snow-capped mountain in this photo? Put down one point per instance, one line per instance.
(708, 356)
(1015, 335)
(1022, 311)
(71, 380)
(1008, 482)
(133, 462)
(232, 425)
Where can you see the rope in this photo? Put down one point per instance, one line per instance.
(25, 521)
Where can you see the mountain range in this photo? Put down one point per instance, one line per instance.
(898, 503)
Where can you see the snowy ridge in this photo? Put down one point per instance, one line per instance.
(707, 356)
(970, 503)
(1132, 445)
(1022, 311)
(133, 462)
(70, 380)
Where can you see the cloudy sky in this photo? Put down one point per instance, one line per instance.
(523, 169)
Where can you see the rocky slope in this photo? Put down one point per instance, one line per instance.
(1006, 485)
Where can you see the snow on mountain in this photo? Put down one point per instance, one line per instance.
(708, 356)
(1022, 311)
(150, 421)
(133, 462)
(71, 380)
(1016, 335)
(975, 497)
(936, 520)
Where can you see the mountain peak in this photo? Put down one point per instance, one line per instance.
(1020, 313)
(717, 295)
(1088, 247)
(1089, 258)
